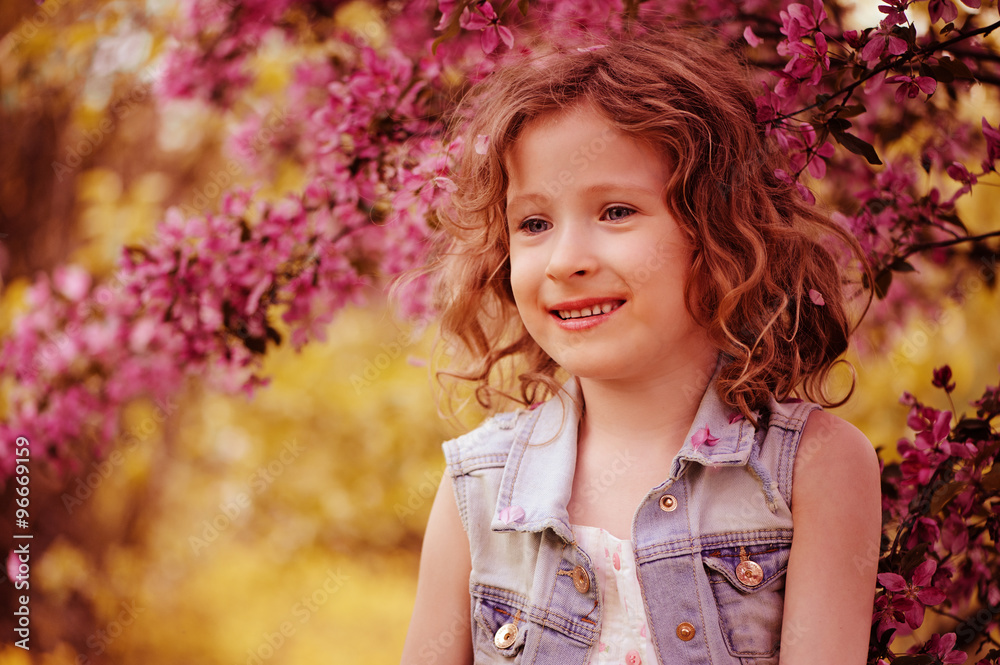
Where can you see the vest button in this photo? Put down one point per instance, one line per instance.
(668, 503)
(685, 631)
(581, 580)
(633, 658)
(505, 636)
(749, 572)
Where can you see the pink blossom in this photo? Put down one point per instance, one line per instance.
(895, 11)
(942, 9)
(482, 144)
(917, 591)
(485, 18)
(911, 86)
(751, 38)
(703, 438)
(943, 646)
(880, 41)
(512, 514)
(816, 297)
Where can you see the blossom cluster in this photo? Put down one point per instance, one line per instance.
(941, 502)
(365, 121)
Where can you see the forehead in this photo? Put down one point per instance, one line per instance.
(578, 150)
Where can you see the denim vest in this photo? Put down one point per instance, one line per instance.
(711, 542)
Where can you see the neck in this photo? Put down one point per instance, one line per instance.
(653, 414)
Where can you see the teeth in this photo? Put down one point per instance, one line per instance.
(604, 308)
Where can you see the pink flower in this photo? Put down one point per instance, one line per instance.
(703, 438)
(942, 378)
(879, 41)
(485, 19)
(447, 8)
(942, 9)
(751, 38)
(917, 591)
(482, 144)
(911, 86)
(895, 11)
(943, 646)
(511, 514)
(816, 297)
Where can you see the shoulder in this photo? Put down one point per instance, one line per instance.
(834, 455)
(486, 446)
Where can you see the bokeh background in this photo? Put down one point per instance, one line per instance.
(285, 528)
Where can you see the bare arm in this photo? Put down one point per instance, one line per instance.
(439, 629)
(836, 512)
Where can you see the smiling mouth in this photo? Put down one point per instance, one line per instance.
(584, 312)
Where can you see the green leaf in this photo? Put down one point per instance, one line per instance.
(902, 265)
(838, 124)
(256, 345)
(882, 282)
(916, 659)
(972, 428)
(991, 480)
(851, 111)
(957, 68)
(952, 219)
(273, 335)
(942, 74)
(946, 493)
(858, 146)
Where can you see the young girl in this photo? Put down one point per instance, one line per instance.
(623, 242)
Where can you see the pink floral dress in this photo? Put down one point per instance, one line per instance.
(624, 636)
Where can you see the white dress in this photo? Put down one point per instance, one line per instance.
(624, 638)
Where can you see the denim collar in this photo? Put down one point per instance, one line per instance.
(537, 480)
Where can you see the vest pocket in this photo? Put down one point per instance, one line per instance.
(501, 625)
(749, 588)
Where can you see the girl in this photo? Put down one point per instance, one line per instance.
(622, 241)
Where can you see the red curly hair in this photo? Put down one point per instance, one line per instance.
(759, 248)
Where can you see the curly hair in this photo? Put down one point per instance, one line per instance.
(758, 247)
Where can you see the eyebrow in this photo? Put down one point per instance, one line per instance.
(599, 188)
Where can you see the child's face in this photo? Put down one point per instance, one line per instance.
(589, 229)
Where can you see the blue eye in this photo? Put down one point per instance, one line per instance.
(618, 213)
(534, 225)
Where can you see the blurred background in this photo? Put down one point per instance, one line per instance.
(285, 528)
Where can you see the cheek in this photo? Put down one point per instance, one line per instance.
(521, 279)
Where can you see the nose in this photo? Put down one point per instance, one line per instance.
(572, 253)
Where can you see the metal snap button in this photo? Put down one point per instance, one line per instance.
(747, 571)
(505, 636)
(685, 631)
(581, 580)
(668, 503)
